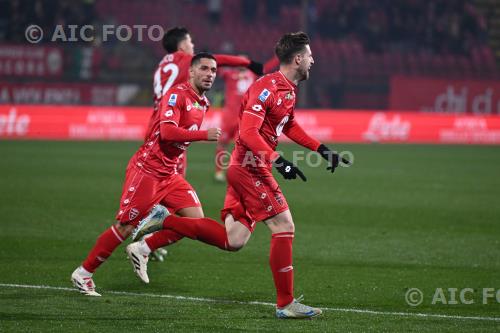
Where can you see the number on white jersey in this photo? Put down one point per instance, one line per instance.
(174, 72)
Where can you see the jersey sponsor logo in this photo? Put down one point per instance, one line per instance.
(257, 107)
(279, 102)
(172, 100)
(264, 95)
(133, 213)
(290, 95)
(189, 107)
(198, 106)
(169, 113)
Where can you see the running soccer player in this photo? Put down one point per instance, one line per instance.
(151, 175)
(253, 194)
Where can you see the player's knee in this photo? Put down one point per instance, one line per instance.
(287, 226)
(236, 243)
(193, 212)
(197, 214)
(124, 229)
(283, 225)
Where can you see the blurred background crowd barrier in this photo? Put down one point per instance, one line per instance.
(388, 55)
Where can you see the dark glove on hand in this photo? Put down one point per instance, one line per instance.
(256, 67)
(332, 157)
(288, 170)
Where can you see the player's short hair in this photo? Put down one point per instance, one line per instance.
(201, 55)
(173, 37)
(289, 45)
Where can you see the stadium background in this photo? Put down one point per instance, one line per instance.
(404, 216)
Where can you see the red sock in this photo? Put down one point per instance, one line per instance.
(203, 229)
(106, 243)
(162, 238)
(280, 259)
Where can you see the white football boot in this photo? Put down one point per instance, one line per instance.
(297, 310)
(158, 254)
(139, 260)
(83, 282)
(220, 176)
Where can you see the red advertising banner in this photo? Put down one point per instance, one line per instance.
(32, 61)
(127, 123)
(66, 93)
(445, 95)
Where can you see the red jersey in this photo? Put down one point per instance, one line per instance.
(237, 82)
(272, 100)
(182, 107)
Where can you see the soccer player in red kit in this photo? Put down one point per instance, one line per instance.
(151, 175)
(174, 68)
(253, 194)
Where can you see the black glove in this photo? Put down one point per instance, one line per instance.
(256, 67)
(332, 157)
(288, 170)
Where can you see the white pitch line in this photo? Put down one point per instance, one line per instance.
(211, 300)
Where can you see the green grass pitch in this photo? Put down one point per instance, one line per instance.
(404, 216)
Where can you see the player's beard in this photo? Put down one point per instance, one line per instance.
(203, 87)
(303, 74)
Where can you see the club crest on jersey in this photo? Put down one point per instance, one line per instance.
(172, 100)
(264, 95)
(133, 213)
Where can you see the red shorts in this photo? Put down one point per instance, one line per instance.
(253, 195)
(142, 191)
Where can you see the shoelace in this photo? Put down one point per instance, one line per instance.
(299, 307)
